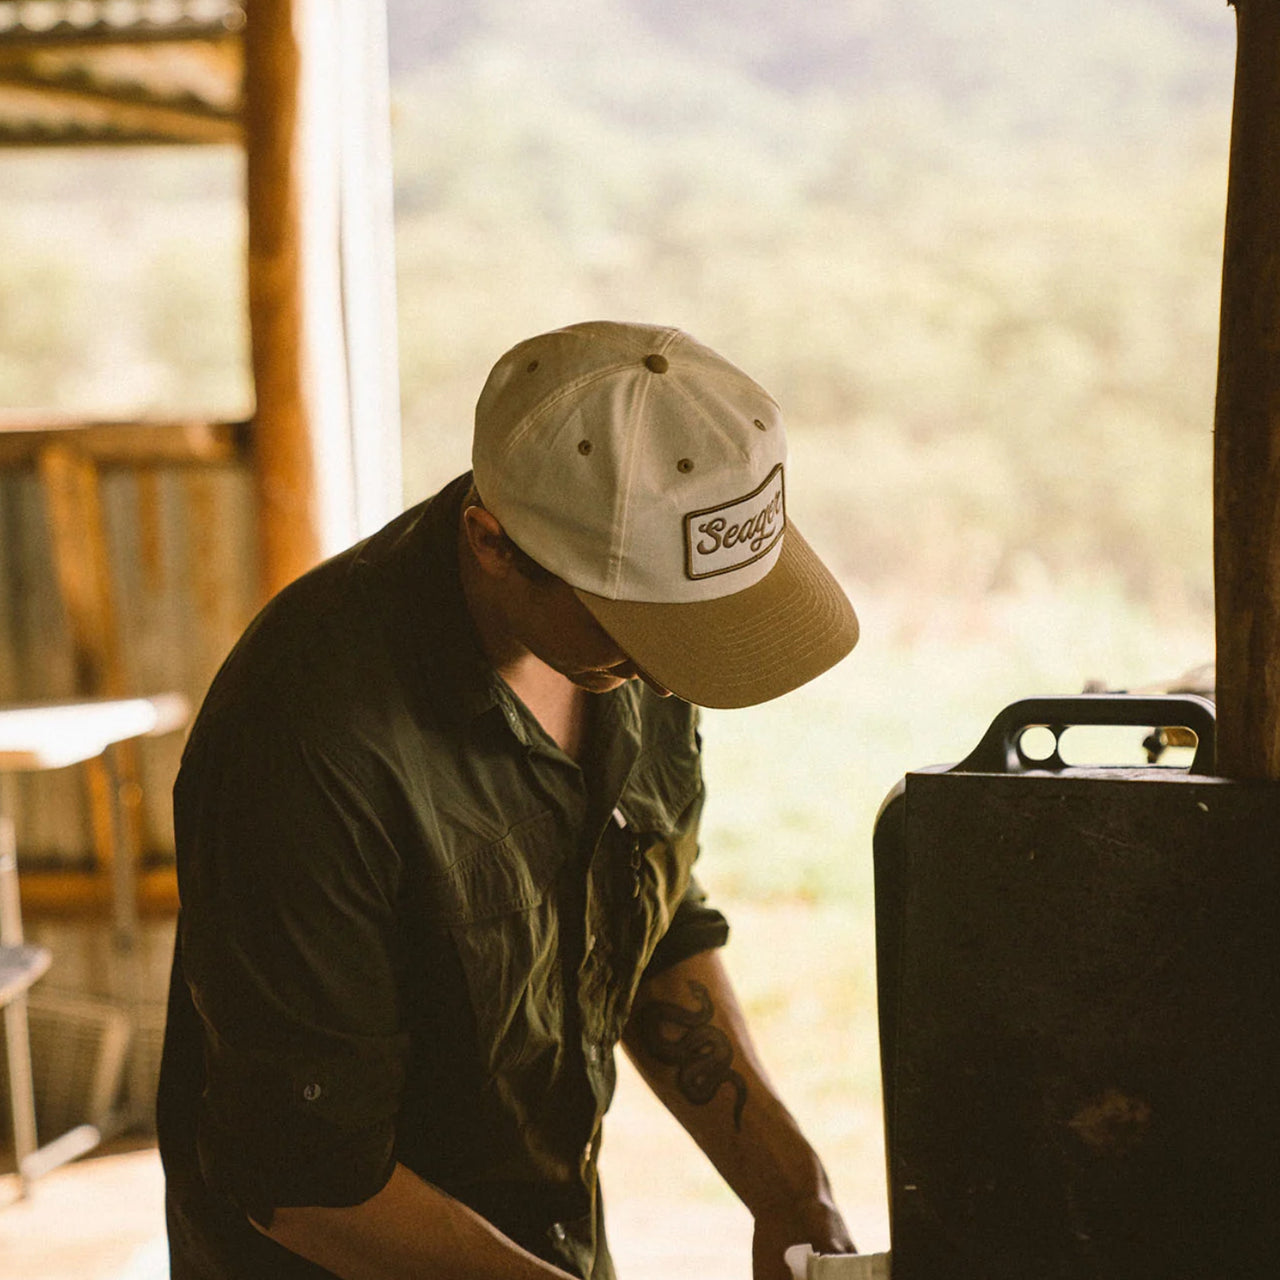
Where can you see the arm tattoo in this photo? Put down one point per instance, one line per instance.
(700, 1053)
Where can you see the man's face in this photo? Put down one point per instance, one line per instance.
(558, 628)
(532, 608)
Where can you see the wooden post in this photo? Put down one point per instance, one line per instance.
(1247, 417)
(82, 565)
(302, 446)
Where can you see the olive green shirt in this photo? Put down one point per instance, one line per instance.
(412, 928)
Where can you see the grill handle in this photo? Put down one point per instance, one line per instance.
(1000, 750)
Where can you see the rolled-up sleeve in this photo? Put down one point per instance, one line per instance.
(695, 927)
(288, 941)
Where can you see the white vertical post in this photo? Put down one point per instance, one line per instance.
(368, 265)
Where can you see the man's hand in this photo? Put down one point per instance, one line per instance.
(777, 1228)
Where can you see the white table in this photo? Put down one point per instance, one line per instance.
(53, 735)
(49, 735)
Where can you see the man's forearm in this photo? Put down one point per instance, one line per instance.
(408, 1231)
(688, 1038)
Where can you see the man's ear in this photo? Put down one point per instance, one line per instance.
(488, 542)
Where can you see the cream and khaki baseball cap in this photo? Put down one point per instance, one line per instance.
(650, 474)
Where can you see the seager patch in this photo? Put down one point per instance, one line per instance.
(735, 534)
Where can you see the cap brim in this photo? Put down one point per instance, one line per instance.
(745, 648)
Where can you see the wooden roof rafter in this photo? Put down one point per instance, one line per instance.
(113, 72)
(42, 23)
(31, 136)
(136, 443)
(92, 111)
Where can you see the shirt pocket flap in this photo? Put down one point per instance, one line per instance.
(659, 794)
(506, 876)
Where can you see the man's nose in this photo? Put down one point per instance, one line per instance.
(654, 685)
(636, 672)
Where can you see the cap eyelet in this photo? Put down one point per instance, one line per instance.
(531, 367)
(761, 425)
(684, 466)
(584, 447)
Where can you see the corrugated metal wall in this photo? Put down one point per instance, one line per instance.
(181, 546)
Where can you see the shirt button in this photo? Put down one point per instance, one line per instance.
(311, 1092)
(558, 1232)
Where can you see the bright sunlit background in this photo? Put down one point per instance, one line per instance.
(973, 250)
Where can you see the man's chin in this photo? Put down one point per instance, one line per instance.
(597, 681)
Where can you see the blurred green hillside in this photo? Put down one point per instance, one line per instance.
(974, 251)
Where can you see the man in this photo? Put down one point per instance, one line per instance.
(436, 824)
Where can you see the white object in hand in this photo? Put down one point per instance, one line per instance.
(807, 1265)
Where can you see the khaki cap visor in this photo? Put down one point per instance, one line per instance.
(744, 648)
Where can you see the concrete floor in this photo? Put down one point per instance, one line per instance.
(101, 1218)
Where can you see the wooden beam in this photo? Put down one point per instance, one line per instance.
(102, 31)
(31, 137)
(99, 110)
(89, 893)
(219, 52)
(131, 444)
(302, 437)
(1247, 415)
(82, 565)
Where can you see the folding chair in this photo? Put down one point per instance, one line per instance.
(20, 967)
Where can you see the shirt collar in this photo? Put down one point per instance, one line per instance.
(437, 623)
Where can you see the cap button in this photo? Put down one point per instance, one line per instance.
(656, 363)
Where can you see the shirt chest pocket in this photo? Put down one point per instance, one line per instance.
(653, 847)
(660, 867)
(498, 904)
(660, 815)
